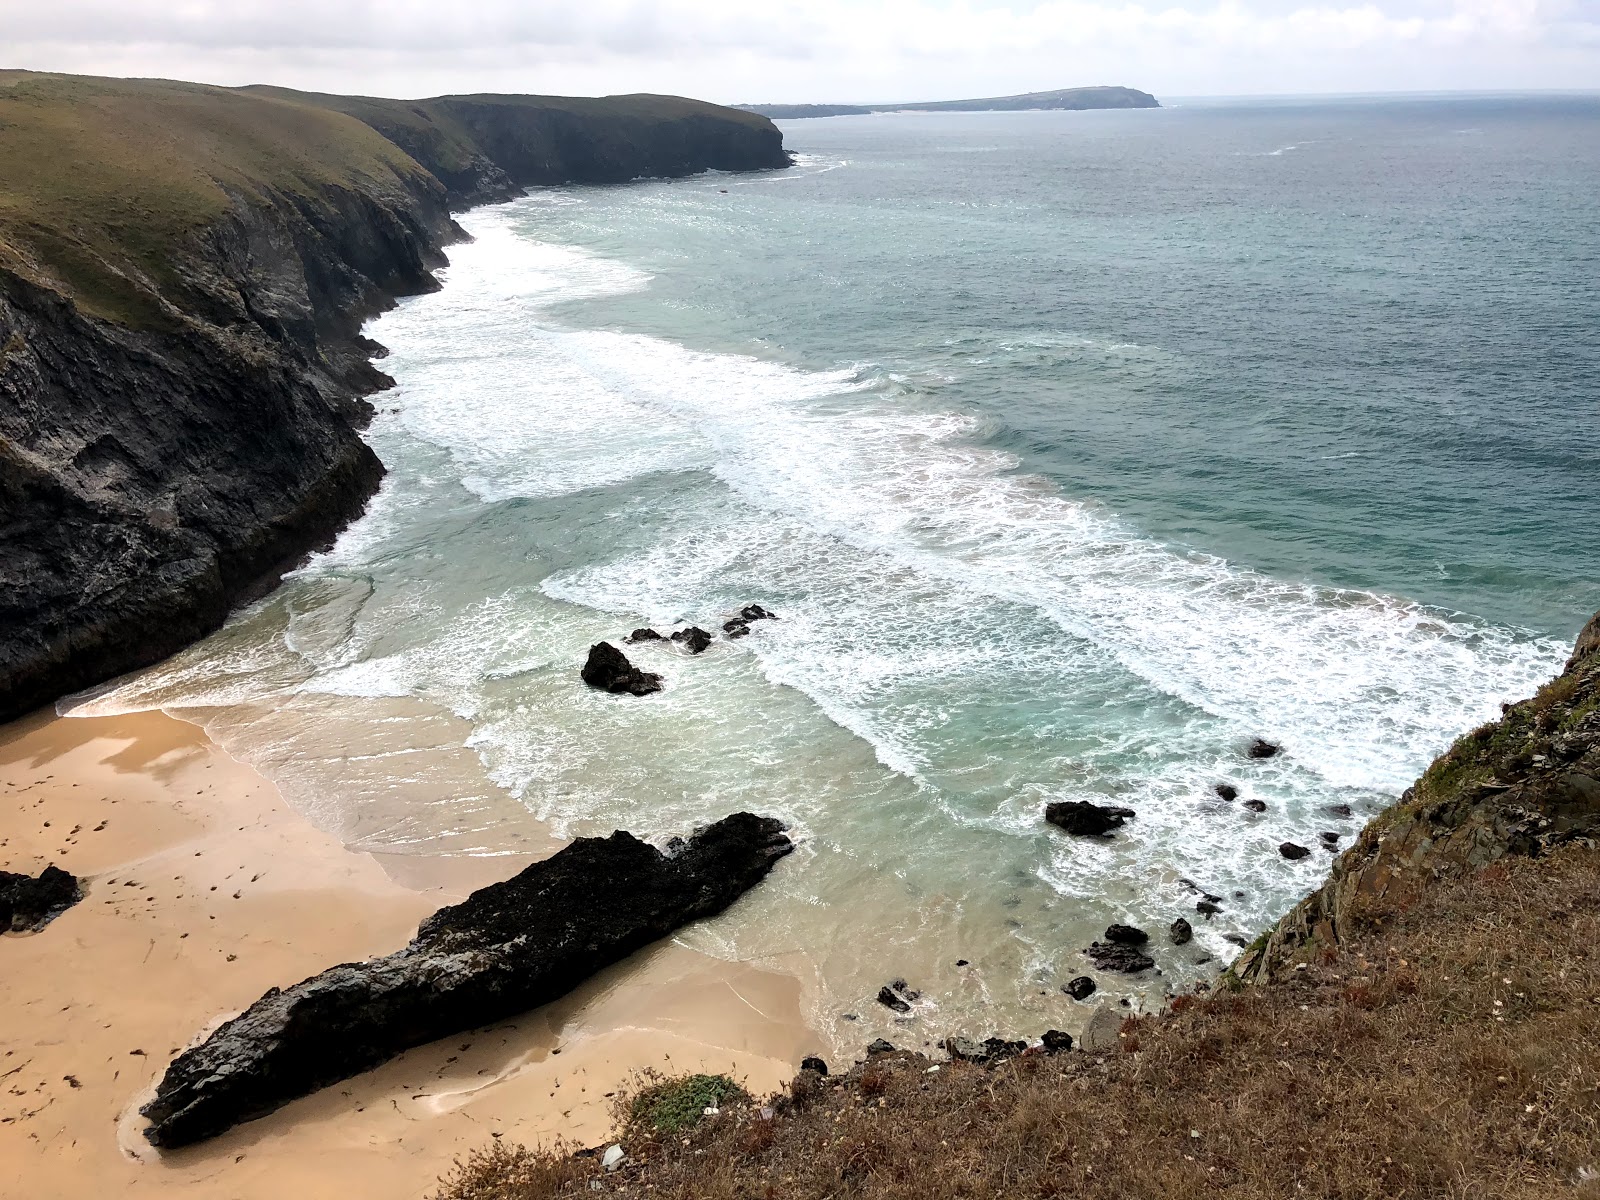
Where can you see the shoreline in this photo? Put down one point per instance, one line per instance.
(203, 888)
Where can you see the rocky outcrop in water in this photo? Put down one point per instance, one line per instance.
(1517, 786)
(181, 393)
(608, 669)
(505, 949)
(1082, 818)
(29, 903)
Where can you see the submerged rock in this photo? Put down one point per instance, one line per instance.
(28, 903)
(694, 639)
(505, 949)
(736, 628)
(609, 670)
(1208, 908)
(896, 996)
(1256, 805)
(1080, 988)
(643, 635)
(1083, 819)
(1329, 839)
(1120, 956)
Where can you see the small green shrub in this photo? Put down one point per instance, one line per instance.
(673, 1105)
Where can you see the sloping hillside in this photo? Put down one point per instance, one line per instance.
(184, 271)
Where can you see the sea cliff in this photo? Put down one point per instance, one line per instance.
(184, 273)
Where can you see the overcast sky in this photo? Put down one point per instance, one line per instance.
(818, 50)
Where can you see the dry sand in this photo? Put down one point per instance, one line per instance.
(203, 889)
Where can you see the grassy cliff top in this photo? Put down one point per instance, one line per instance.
(104, 179)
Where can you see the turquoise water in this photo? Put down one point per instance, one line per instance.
(1075, 451)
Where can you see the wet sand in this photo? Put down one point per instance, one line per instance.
(203, 889)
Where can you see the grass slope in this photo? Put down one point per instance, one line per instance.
(105, 181)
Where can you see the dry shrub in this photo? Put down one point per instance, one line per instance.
(1389, 1072)
(874, 1081)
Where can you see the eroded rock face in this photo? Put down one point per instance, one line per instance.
(507, 948)
(29, 903)
(608, 669)
(1083, 819)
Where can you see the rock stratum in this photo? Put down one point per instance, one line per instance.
(184, 273)
(1075, 99)
(505, 949)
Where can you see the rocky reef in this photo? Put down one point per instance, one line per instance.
(184, 272)
(505, 949)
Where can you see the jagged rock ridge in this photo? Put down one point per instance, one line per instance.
(505, 949)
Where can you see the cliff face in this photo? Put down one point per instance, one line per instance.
(184, 272)
(1519, 786)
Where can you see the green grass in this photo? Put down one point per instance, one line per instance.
(107, 181)
(673, 1105)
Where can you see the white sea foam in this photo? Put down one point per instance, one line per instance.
(978, 642)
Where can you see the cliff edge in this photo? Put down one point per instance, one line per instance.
(184, 272)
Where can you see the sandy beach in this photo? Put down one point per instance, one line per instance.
(203, 889)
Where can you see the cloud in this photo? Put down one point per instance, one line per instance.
(821, 49)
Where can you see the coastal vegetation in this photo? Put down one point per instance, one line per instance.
(1425, 1024)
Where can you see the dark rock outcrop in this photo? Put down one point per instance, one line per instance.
(608, 669)
(813, 1063)
(1127, 935)
(29, 903)
(991, 1050)
(643, 635)
(736, 628)
(1227, 791)
(505, 949)
(1181, 933)
(1253, 805)
(1261, 748)
(1120, 956)
(1293, 851)
(897, 996)
(754, 612)
(1056, 1042)
(1080, 988)
(1084, 819)
(181, 396)
(880, 1046)
(693, 639)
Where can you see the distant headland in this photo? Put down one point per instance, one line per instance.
(1062, 98)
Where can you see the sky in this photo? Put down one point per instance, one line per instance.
(735, 51)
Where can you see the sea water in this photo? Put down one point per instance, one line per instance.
(1074, 451)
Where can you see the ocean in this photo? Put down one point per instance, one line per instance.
(1074, 451)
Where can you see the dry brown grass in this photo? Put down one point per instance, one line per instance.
(1452, 1052)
